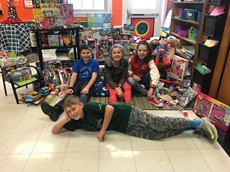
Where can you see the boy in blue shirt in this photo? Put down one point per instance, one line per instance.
(84, 75)
(127, 119)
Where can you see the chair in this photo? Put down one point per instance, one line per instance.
(12, 75)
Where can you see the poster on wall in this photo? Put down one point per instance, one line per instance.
(144, 27)
(28, 3)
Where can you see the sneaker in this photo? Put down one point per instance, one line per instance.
(208, 129)
(153, 100)
(50, 111)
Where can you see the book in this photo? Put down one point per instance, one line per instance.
(53, 40)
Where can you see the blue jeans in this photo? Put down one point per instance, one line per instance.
(145, 80)
(84, 98)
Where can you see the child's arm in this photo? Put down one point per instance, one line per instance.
(107, 118)
(58, 127)
(71, 83)
(124, 74)
(155, 76)
(90, 83)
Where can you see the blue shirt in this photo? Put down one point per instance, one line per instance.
(85, 70)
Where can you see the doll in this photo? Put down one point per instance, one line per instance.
(162, 50)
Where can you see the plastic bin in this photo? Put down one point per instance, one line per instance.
(191, 34)
(213, 25)
(191, 14)
(195, 33)
(183, 33)
(208, 55)
(177, 28)
(203, 80)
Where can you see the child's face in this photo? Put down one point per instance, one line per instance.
(117, 54)
(75, 111)
(86, 55)
(142, 51)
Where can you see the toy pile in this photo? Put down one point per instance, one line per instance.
(34, 97)
(174, 92)
(101, 40)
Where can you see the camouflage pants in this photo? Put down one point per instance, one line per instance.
(145, 125)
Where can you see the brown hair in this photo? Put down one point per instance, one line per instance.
(71, 100)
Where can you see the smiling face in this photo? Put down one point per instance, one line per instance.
(75, 111)
(142, 51)
(86, 55)
(117, 54)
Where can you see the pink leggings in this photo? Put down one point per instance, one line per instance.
(113, 94)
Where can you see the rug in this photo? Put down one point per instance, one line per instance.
(139, 101)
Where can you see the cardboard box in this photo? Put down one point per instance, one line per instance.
(179, 67)
(217, 112)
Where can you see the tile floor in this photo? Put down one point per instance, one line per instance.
(27, 145)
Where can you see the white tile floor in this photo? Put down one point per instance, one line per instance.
(27, 145)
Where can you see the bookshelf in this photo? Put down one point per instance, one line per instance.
(54, 38)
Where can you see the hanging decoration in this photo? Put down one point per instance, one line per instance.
(12, 14)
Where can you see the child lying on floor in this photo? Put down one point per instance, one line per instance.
(127, 119)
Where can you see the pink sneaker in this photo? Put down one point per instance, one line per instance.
(153, 100)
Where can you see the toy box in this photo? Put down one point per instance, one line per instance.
(179, 67)
(217, 112)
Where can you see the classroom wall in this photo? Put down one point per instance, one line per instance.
(25, 14)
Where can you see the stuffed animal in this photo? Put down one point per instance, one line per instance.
(173, 43)
(161, 51)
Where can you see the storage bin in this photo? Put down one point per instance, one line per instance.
(191, 34)
(195, 33)
(213, 25)
(191, 14)
(203, 80)
(183, 33)
(199, 16)
(182, 14)
(208, 55)
(177, 28)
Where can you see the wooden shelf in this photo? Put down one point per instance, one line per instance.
(186, 21)
(195, 3)
(182, 54)
(184, 39)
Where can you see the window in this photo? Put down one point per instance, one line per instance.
(145, 7)
(86, 6)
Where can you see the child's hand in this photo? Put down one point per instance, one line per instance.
(69, 91)
(85, 91)
(67, 117)
(119, 92)
(137, 78)
(101, 135)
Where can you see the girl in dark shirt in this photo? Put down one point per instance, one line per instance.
(116, 72)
